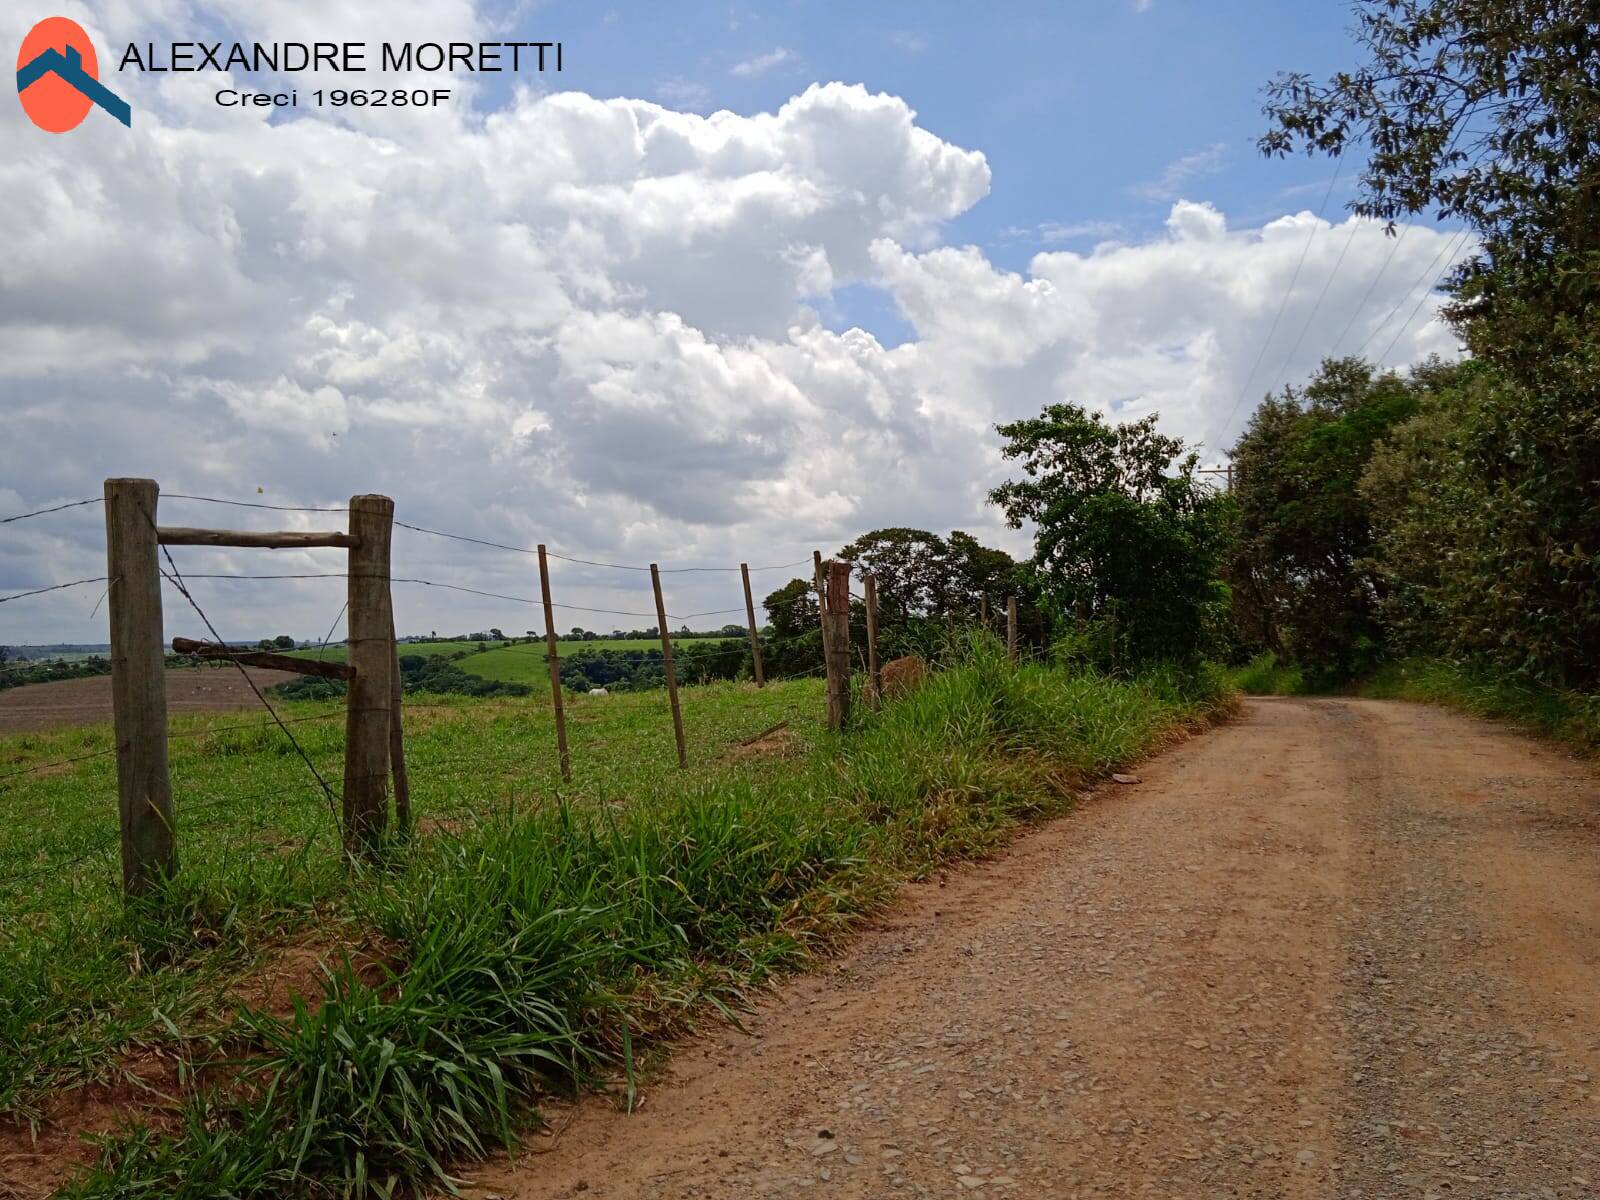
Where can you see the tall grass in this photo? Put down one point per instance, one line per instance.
(541, 949)
(1567, 716)
(1264, 675)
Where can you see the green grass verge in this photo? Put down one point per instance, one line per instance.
(1264, 675)
(542, 944)
(1567, 716)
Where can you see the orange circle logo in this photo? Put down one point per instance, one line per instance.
(55, 52)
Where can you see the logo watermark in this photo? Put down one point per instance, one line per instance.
(58, 78)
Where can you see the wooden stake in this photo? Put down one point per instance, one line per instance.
(666, 658)
(750, 613)
(836, 628)
(1011, 628)
(874, 675)
(138, 685)
(369, 698)
(822, 601)
(983, 611)
(553, 653)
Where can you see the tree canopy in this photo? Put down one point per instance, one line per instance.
(1127, 539)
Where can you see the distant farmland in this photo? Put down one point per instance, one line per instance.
(519, 663)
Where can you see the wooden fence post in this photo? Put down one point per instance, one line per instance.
(836, 627)
(755, 638)
(822, 601)
(369, 698)
(138, 685)
(397, 735)
(983, 613)
(874, 675)
(666, 658)
(553, 653)
(1011, 628)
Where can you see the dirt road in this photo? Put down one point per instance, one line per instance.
(88, 701)
(1338, 948)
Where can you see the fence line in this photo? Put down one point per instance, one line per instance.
(374, 747)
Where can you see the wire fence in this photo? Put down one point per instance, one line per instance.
(266, 822)
(206, 804)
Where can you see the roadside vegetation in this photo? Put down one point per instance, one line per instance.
(1436, 531)
(1571, 717)
(521, 942)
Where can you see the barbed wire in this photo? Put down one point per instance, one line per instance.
(55, 587)
(35, 768)
(456, 587)
(55, 509)
(588, 562)
(251, 503)
(177, 579)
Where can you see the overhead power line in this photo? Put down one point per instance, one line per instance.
(1283, 303)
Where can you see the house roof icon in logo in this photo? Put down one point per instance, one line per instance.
(58, 77)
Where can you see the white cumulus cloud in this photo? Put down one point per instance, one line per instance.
(587, 322)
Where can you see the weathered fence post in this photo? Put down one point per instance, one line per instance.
(755, 637)
(822, 602)
(983, 613)
(369, 699)
(138, 684)
(836, 627)
(1011, 628)
(397, 735)
(666, 658)
(553, 653)
(874, 675)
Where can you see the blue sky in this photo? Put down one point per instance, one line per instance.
(1094, 116)
(1081, 108)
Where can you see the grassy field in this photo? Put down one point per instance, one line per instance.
(522, 941)
(258, 846)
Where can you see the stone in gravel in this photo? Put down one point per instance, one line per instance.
(1124, 779)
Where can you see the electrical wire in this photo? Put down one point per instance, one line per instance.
(1448, 253)
(1283, 304)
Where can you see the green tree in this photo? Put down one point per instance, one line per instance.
(794, 640)
(283, 642)
(1490, 112)
(1299, 569)
(1127, 539)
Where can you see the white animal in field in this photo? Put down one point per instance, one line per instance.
(598, 692)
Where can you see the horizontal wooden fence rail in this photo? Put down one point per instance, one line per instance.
(251, 540)
(263, 658)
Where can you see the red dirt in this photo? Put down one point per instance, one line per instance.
(40, 706)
